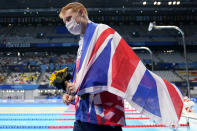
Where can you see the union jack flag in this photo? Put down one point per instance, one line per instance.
(108, 64)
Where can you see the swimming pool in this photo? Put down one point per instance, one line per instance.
(52, 117)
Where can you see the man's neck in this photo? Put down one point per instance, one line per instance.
(84, 26)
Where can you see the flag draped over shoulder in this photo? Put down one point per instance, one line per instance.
(109, 64)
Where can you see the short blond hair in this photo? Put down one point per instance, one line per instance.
(75, 6)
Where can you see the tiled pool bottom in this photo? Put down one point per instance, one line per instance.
(52, 117)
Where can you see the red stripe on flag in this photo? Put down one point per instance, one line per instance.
(176, 99)
(100, 40)
(124, 63)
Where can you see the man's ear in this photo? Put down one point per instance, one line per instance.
(81, 12)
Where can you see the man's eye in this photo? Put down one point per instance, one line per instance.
(68, 19)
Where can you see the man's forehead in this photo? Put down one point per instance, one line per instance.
(68, 12)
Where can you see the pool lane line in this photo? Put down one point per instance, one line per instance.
(32, 108)
(70, 127)
(46, 114)
(30, 114)
(67, 114)
(125, 114)
(151, 125)
(133, 113)
(53, 114)
(69, 111)
(130, 110)
(127, 118)
(128, 126)
(28, 119)
(125, 111)
(24, 127)
(37, 119)
(65, 119)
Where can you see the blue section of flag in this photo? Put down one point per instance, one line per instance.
(146, 95)
(97, 75)
(93, 117)
(83, 109)
(86, 41)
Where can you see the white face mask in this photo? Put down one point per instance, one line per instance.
(73, 27)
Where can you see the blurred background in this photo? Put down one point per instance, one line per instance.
(34, 42)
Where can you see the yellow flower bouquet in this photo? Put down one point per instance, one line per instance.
(60, 78)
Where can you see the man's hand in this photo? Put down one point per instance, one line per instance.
(70, 88)
(69, 96)
(67, 99)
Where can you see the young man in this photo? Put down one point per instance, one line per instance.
(97, 111)
(107, 70)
